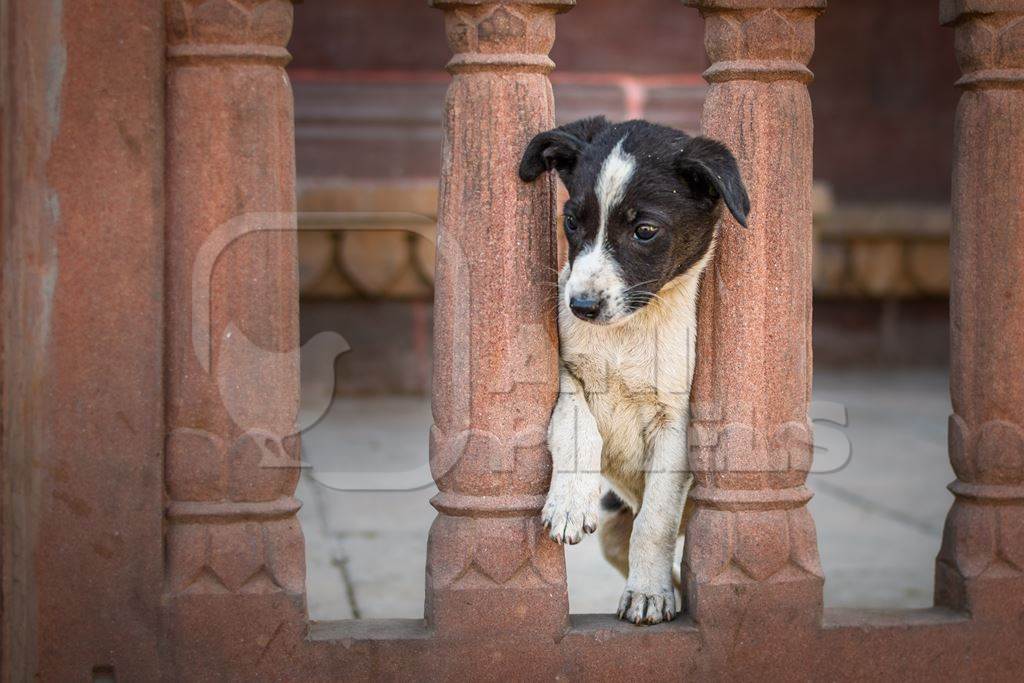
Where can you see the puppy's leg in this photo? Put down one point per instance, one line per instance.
(617, 526)
(572, 506)
(649, 597)
(614, 532)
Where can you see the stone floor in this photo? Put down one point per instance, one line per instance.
(879, 504)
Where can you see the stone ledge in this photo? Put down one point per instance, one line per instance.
(862, 251)
(882, 251)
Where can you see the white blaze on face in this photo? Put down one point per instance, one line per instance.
(595, 274)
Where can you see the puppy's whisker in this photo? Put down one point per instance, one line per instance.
(641, 284)
(643, 298)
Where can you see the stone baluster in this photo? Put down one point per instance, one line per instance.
(234, 549)
(751, 550)
(490, 567)
(980, 567)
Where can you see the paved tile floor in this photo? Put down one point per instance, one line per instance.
(879, 513)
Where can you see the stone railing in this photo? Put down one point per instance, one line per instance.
(149, 460)
(882, 252)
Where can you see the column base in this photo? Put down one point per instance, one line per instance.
(492, 575)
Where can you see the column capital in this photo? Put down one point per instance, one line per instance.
(558, 5)
(724, 5)
(759, 40)
(204, 31)
(987, 36)
(952, 11)
(501, 35)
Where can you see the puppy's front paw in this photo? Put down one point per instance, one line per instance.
(572, 509)
(648, 606)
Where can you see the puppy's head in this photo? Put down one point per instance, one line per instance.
(644, 203)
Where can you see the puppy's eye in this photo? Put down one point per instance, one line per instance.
(570, 224)
(645, 232)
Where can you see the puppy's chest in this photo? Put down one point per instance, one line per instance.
(651, 359)
(630, 381)
(611, 373)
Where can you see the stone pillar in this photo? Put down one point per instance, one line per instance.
(234, 549)
(980, 567)
(490, 567)
(81, 331)
(751, 553)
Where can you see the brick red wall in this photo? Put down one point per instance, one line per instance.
(638, 36)
(369, 83)
(367, 35)
(884, 101)
(369, 78)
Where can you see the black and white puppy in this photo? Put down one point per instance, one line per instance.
(645, 203)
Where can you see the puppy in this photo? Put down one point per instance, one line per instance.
(644, 208)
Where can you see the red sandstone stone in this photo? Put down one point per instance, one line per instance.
(753, 376)
(82, 268)
(88, 316)
(231, 330)
(496, 253)
(979, 567)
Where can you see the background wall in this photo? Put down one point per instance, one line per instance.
(369, 86)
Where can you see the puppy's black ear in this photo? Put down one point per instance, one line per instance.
(559, 148)
(711, 171)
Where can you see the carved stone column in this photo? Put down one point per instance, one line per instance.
(490, 567)
(234, 549)
(751, 549)
(980, 567)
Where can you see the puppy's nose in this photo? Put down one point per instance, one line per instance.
(584, 307)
